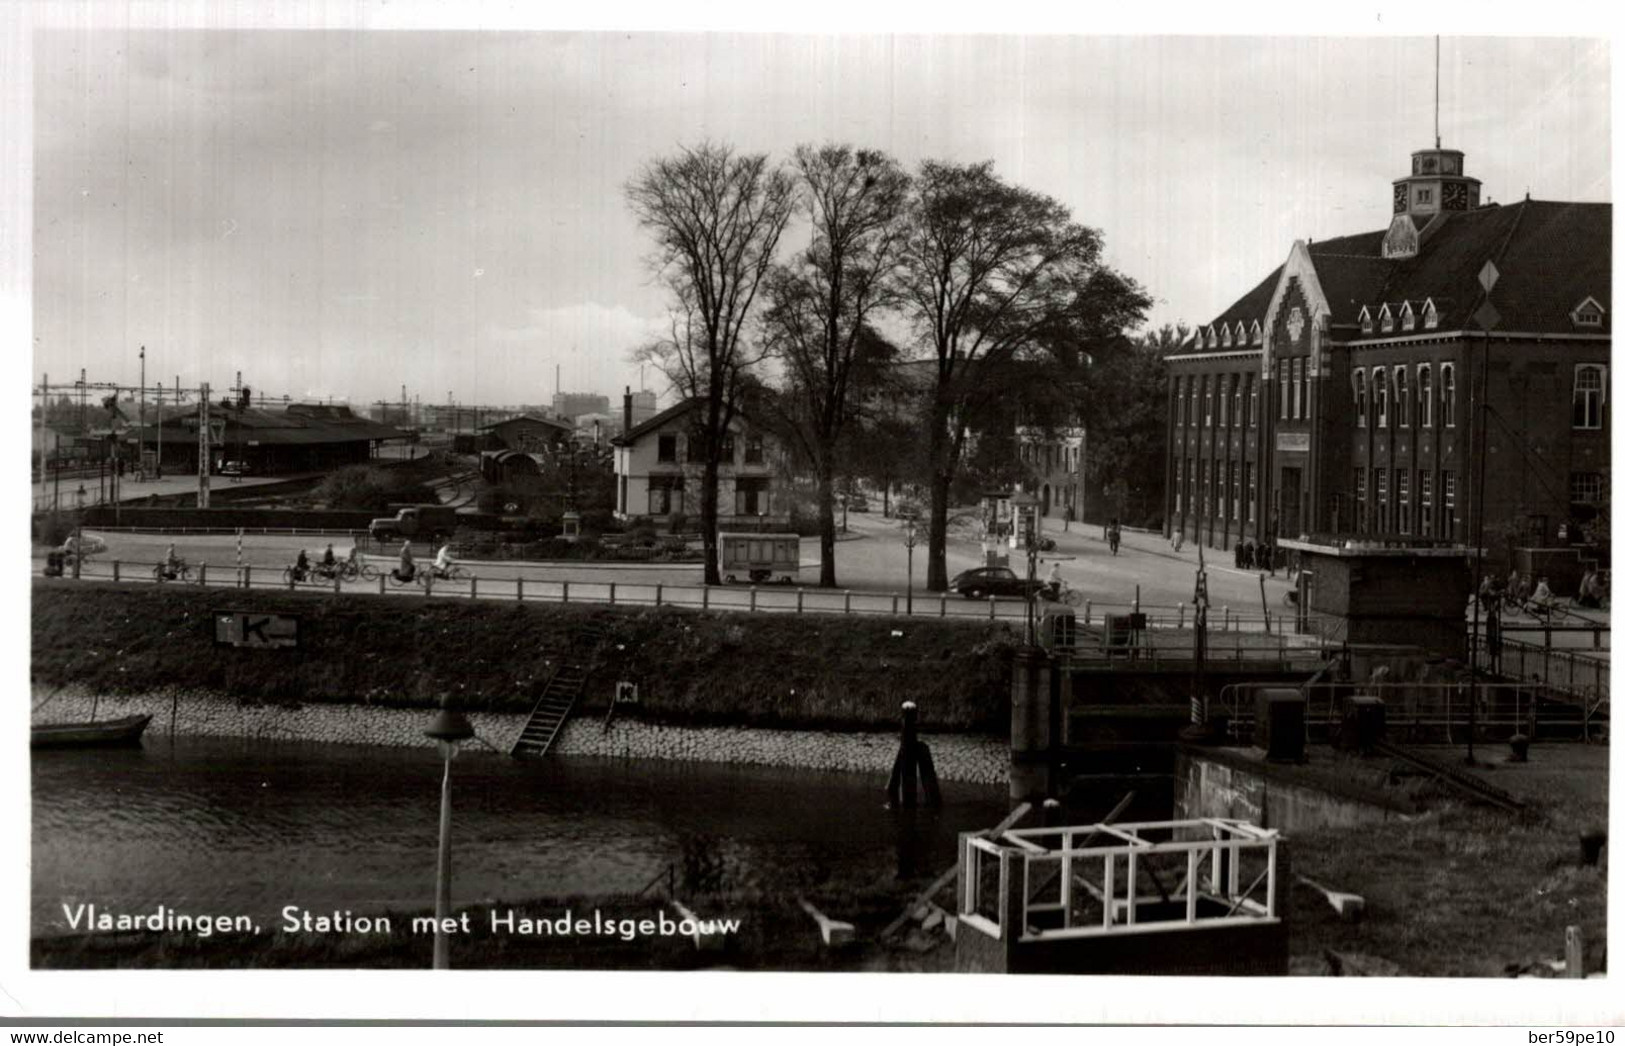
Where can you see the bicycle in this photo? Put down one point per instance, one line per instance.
(1064, 593)
(432, 574)
(179, 572)
(293, 575)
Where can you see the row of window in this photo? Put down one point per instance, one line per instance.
(1045, 457)
(1227, 336)
(1385, 318)
(1390, 387)
(667, 451)
(751, 496)
(1216, 490)
(1197, 395)
(1381, 510)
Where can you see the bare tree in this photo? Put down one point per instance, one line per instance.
(716, 218)
(821, 301)
(989, 271)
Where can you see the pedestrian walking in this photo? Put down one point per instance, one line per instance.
(1179, 539)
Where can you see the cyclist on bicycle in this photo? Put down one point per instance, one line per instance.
(408, 568)
(1053, 585)
(173, 564)
(330, 562)
(301, 566)
(442, 562)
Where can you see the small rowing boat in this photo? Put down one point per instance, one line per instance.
(126, 731)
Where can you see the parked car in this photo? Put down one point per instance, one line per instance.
(906, 510)
(993, 581)
(855, 502)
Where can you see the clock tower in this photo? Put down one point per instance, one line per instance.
(1436, 185)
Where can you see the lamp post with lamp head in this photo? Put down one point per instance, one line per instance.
(448, 728)
(911, 538)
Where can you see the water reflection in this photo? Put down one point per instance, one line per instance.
(238, 827)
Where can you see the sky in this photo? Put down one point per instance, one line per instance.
(344, 213)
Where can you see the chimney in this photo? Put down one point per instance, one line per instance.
(626, 412)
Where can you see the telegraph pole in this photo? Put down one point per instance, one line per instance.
(202, 447)
(141, 439)
(44, 405)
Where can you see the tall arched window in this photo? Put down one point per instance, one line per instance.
(1447, 394)
(1379, 396)
(1402, 402)
(1590, 392)
(1424, 396)
(1359, 397)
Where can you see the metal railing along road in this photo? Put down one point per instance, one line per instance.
(779, 599)
(1436, 708)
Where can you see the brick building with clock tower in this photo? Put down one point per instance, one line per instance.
(1342, 393)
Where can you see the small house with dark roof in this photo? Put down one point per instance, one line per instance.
(303, 437)
(1341, 393)
(659, 468)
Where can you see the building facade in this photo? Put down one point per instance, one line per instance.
(1387, 383)
(659, 470)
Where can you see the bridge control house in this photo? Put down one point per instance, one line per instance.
(1343, 393)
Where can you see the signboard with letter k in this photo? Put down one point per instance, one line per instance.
(241, 628)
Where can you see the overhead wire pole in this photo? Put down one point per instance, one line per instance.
(1487, 317)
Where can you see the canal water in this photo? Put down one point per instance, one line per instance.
(228, 827)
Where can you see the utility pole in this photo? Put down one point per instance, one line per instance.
(44, 405)
(158, 455)
(203, 448)
(141, 438)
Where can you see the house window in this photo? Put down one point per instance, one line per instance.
(1382, 501)
(1379, 394)
(1297, 388)
(1235, 492)
(1424, 482)
(1179, 489)
(1449, 519)
(1589, 395)
(668, 448)
(750, 496)
(1585, 488)
(1407, 317)
(1284, 380)
(1225, 338)
(727, 457)
(1402, 402)
(1402, 479)
(1207, 402)
(1424, 196)
(1430, 316)
(1424, 395)
(1252, 489)
(1252, 401)
(1224, 399)
(665, 495)
(1258, 333)
(1235, 412)
(1387, 318)
(1359, 397)
(1587, 314)
(1366, 326)
(1204, 507)
(1359, 501)
(753, 450)
(1179, 401)
(1447, 394)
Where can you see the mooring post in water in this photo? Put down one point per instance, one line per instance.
(913, 766)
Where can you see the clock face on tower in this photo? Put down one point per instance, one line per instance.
(1402, 197)
(1454, 196)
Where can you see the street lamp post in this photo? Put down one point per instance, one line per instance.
(911, 539)
(449, 727)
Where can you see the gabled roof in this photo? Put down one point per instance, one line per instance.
(555, 423)
(1549, 254)
(633, 434)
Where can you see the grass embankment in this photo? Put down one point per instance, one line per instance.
(692, 667)
(1467, 890)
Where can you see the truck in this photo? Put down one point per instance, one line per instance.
(415, 521)
(759, 557)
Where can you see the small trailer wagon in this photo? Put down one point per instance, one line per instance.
(759, 557)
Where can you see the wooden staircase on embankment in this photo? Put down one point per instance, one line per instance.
(560, 693)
